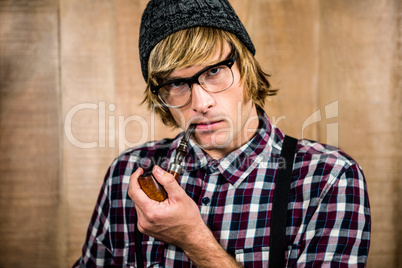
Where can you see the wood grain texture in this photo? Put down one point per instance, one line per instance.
(87, 60)
(359, 42)
(30, 198)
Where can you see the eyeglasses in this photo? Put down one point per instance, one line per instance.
(216, 78)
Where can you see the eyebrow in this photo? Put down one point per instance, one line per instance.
(173, 78)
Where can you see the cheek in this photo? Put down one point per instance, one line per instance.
(233, 97)
(179, 117)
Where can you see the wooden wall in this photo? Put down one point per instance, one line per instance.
(71, 87)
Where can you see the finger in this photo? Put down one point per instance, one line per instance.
(167, 180)
(140, 218)
(134, 188)
(144, 225)
(140, 213)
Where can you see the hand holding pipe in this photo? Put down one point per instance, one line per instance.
(151, 186)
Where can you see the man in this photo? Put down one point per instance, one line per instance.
(198, 61)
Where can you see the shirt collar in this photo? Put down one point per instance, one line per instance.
(237, 165)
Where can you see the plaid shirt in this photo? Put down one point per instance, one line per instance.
(328, 221)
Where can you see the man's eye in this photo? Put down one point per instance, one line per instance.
(213, 71)
(176, 84)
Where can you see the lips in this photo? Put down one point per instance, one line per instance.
(208, 126)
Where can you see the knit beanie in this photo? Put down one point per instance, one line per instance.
(161, 18)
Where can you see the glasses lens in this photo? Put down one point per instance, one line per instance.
(216, 79)
(175, 94)
(178, 93)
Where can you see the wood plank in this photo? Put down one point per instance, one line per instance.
(87, 60)
(357, 67)
(397, 96)
(30, 195)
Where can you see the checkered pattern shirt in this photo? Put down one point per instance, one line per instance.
(328, 222)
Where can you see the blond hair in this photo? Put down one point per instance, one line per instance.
(197, 45)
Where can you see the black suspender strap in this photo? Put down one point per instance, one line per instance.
(280, 204)
(157, 159)
(138, 246)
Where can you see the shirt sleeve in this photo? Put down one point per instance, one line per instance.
(97, 249)
(338, 232)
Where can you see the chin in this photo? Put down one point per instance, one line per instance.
(211, 142)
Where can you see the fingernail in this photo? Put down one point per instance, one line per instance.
(158, 170)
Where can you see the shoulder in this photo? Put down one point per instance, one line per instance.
(319, 167)
(315, 154)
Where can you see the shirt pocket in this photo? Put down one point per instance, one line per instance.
(253, 257)
(152, 254)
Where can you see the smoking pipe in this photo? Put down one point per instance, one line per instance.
(151, 186)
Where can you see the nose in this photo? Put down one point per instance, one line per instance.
(201, 100)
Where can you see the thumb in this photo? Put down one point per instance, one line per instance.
(167, 180)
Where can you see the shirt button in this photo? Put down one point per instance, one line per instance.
(205, 200)
(213, 165)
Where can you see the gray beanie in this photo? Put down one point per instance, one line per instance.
(161, 18)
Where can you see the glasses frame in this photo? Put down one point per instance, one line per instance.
(194, 79)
